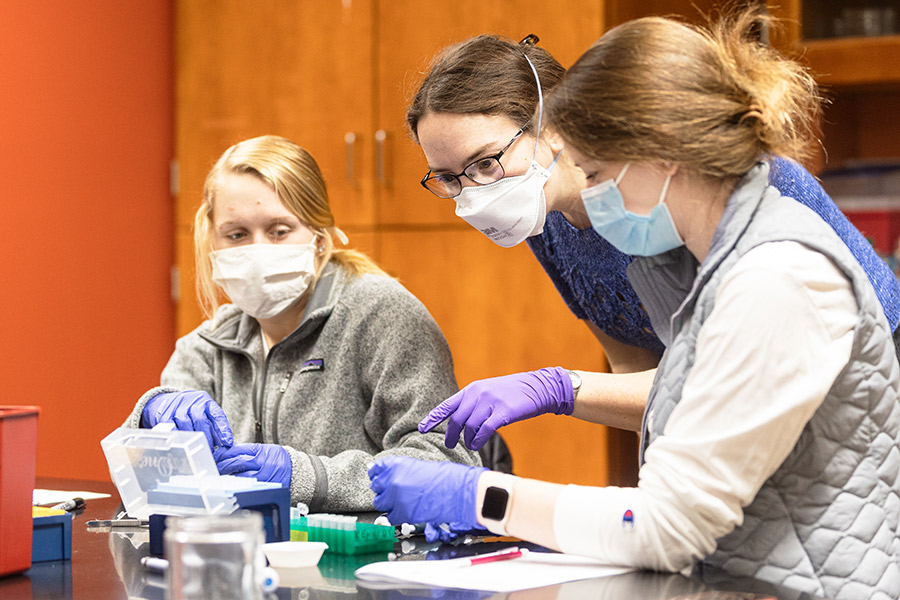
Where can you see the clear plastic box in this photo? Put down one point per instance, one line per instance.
(167, 472)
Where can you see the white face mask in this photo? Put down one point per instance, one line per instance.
(515, 208)
(509, 210)
(264, 280)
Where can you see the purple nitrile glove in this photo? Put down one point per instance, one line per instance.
(192, 410)
(265, 462)
(448, 532)
(484, 406)
(421, 491)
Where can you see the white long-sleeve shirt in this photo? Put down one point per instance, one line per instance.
(778, 336)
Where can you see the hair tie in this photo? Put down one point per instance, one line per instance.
(530, 40)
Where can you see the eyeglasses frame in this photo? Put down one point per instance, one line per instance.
(457, 176)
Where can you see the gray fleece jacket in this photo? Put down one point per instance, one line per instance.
(352, 382)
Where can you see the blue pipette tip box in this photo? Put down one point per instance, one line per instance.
(51, 538)
(163, 472)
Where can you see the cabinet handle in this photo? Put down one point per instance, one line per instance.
(350, 150)
(380, 137)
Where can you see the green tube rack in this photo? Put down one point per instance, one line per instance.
(343, 534)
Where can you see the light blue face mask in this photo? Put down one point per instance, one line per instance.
(638, 235)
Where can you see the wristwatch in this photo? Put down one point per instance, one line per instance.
(496, 504)
(576, 383)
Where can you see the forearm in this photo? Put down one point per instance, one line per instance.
(613, 399)
(599, 522)
(531, 509)
(623, 358)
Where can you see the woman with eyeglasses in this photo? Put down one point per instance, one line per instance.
(476, 116)
(771, 436)
(320, 361)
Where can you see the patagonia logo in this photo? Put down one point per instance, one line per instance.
(315, 364)
(628, 520)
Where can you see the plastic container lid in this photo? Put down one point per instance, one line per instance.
(142, 461)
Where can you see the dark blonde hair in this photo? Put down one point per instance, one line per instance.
(295, 177)
(716, 100)
(487, 75)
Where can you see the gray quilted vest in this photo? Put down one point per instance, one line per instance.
(827, 521)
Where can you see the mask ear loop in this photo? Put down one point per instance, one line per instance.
(623, 171)
(537, 135)
(662, 194)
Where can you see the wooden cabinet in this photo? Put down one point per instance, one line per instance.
(301, 69)
(860, 78)
(854, 62)
(336, 77)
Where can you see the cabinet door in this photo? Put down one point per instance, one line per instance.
(297, 68)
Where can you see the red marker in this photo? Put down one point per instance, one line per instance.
(508, 554)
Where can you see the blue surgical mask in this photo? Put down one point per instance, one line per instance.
(638, 235)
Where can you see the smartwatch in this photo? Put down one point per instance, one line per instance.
(495, 506)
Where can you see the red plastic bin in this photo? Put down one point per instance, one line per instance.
(18, 456)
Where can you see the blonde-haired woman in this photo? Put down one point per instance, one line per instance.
(320, 361)
(771, 437)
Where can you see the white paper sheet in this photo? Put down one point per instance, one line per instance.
(535, 569)
(42, 497)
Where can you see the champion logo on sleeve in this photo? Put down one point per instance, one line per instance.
(315, 364)
(628, 520)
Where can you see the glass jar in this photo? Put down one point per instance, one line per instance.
(215, 557)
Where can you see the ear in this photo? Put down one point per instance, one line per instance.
(669, 168)
(553, 140)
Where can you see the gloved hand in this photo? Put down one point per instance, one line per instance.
(190, 411)
(422, 491)
(448, 532)
(484, 406)
(265, 462)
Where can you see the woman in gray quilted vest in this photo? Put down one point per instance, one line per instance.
(771, 435)
(320, 362)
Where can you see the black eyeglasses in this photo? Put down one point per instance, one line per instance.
(483, 171)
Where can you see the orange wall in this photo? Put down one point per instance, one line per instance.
(86, 318)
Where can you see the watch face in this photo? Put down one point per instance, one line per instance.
(495, 501)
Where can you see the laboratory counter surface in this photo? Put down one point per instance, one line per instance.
(106, 565)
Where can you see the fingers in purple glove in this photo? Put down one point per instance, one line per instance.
(237, 464)
(192, 410)
(220, 429)
(183, 422)
(458, 420)
(239, 459)
(442, 533)
(196, 413)
(440, 412)
(479, 426)
(496, 420)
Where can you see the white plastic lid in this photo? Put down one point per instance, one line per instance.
(142, 463)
